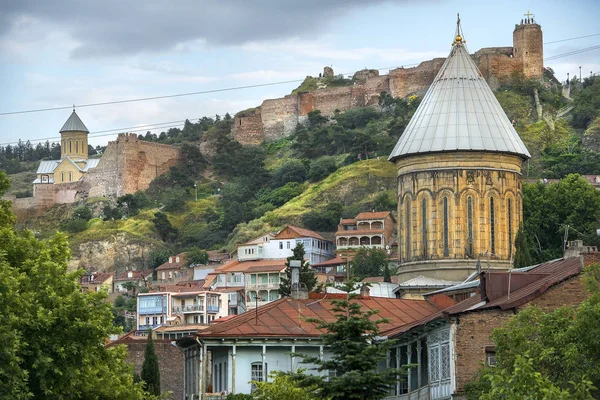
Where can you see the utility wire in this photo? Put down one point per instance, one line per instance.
(566, 40)
(572, 53)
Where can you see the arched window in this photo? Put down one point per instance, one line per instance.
(424, 226)
(408, 227)
(62, 176)
(77, 146)
(446, 228)
(70, 177)
(510, 228)
(70, 146)
(470, 225)
(492, 226)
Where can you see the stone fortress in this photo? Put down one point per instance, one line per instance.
(277, 118)
(126, 166)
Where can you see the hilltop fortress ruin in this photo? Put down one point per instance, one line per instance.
(277, 118)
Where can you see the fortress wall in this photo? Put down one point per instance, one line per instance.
(279, 117)
(46, 196)
(330, 99)
(306, 103)
(248, 129)
(104, 179)
(407, 81)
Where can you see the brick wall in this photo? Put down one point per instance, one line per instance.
(474, 329)
(279, 117)
(170, 363)
(248, 128)
(46, 196)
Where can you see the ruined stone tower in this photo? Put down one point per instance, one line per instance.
(459, 177)
(528, 46)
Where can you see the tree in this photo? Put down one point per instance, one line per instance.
(196, 255)
(357, 351)
(547, 355)
(321, 168)
(522, 250)
(307, 275)
(369, 262)
(387, 275)
(53, 335)
(164, 228)
(157, 258)
(83, 212)
(280, 387)
(291, 171)
(150, 371)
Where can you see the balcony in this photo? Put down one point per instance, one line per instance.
(272, 284)
(358, 246)
(146, 327)
(212, 309)
(152, 310)
(186, 309)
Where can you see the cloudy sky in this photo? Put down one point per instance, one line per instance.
(63, 52)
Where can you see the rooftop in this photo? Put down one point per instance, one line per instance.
(74, 124)
(459, 112)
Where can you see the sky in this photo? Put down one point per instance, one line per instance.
(64, 52)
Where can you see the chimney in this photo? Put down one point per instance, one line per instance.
(298, 292)
(365, 292)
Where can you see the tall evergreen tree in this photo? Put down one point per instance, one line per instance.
(307, 275)
(150, 372)
(387, 275)
(522, 252)
(356, 355)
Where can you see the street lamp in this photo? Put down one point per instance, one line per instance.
(196, 189)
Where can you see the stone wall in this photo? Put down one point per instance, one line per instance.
(474, 329)
(129, 165)
(45, 196)
(279, 117)
(416, 80)
(528, 46)
(248, 127)
(170, 363)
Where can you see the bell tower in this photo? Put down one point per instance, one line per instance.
(528, 45)
(74, 139)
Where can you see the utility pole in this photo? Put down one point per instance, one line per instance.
(580, 74)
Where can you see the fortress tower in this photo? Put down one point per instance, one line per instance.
(528, 46)
(74, 138)
(459, 177)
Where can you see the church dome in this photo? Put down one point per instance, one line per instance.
(74, 124)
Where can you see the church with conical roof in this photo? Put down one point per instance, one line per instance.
(74, 162)
(459, 177)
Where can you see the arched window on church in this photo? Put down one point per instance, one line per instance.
(492, 226)
(470, 225)
(70, 146)
(446, 229)
(424, 226)
(70, 176)
(510, 228)
(62, 176)
(77, 146)
(408, 227)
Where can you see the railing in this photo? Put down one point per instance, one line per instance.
(194, 308)
(146, 327)
(354, 246)
(269, 285)
(152, 310)
(212, 309)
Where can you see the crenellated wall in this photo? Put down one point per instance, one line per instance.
(278, 118)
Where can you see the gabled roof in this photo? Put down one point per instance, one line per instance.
(459, 112)
(74, 124)
(297, 232)
(135, 275)
(372, 215)
(174, 265)
(286, 317)
(334, 261)
(47, 166)
(426, 282)
(251, 265)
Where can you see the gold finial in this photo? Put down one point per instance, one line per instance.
(458, 39)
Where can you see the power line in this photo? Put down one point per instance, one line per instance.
(566, 40)
(571, 53)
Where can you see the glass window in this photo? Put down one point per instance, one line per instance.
(470, 220)
(424, 226)
(408, 227)
(288, 244)
(414, 372)
(424, 364)
(403, 387)
(280, 245)
(257, 372)
(510, 228)
(492, 226)
(446, 228)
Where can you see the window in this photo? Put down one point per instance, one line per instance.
(439, 357)
(424, 226)
(70, 146)
(492, 226)
(62, 176)
(491, 358)
(510, 228)
(280, 245)
(161, 319)
(288, 244)
(147, 320)
(154, 320)
(257, 372)
(446, 228)
(77, 146)
(424, 364)
(407, 255)
(195, 319)
(403, 356)
(470, 220)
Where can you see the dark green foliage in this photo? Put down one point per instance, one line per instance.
(522, 250)
(196, 255)
(291, 171)
(384, 202)
(75, 225)
(193, 161)
(150, 373)
(357, 351)
(547, 355)
(82, 212)
(157, 258)
(131, 204)
(325, 220)
(307, 275)
(369, 262)
(164, 228)
(239, 396)
(321, 168)
(174, 204)
(112, 213)
(587, 103)
(387, 275)
(548, 209)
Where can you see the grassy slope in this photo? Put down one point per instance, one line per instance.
(353, 185)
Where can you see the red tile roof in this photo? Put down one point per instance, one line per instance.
(360, 232)
(372, 215)
(135, 275)
(254, 265)
(347, 221)
(174, 265)
(334, 261)
(286, 317)
(301, 232)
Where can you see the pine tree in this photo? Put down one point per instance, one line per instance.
(150, 372)
(522, 252)
(307, 275)
(356, 351)
(387, 275)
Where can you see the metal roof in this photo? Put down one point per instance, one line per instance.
(459, 112)
(422, 281)
(48, 166)
(74, 124)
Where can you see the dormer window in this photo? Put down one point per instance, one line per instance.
(170, 260)
(177, 259)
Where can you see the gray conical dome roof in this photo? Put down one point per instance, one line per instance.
(74, 124)
(459, 112)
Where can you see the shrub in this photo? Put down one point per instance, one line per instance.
(83, 212)
(321, 168)
(75, 225)
(291, 171)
